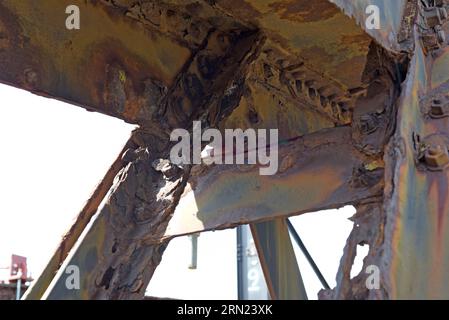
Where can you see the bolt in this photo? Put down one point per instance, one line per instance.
(438, 109)
(436, 156)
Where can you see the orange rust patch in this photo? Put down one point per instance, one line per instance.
(360, 40)
(113, 69)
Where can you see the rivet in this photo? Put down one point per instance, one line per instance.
(30, 77)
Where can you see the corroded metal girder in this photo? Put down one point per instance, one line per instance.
(331, 87)
(138, 49)
(113, 257)
(319, 171)
(416, 195)
(38, 287)
(108, 65)
(408, 241)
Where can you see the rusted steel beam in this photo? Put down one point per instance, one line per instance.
(38, 287)
(316, 33)
(138, 49)
(116, 256)
(278, 260)
(319, 171)
(112, 64)
(326, 169)
(113, 258)
(417, 206)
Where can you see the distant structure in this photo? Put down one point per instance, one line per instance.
(14, 286)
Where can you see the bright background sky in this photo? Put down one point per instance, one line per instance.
(53, 155)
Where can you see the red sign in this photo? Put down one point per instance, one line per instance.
(18, 268)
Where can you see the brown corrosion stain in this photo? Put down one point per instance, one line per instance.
(20, 62)
(9, 28)
(305, 10)
(360, 41)
(4, 37)
(349, 70)
(116, 79)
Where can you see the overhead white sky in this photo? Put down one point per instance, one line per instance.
(52, 157)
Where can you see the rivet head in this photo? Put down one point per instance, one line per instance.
(30, 77)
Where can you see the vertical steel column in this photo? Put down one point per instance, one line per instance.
(278, 260)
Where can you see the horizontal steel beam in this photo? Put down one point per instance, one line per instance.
(318, 171)
(109, 65)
